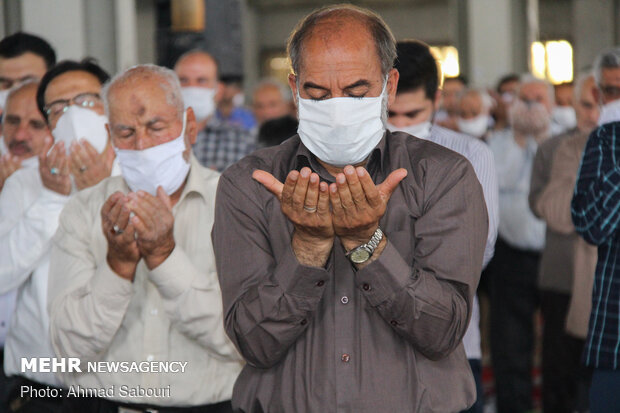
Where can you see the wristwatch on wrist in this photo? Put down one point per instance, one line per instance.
(361, 254)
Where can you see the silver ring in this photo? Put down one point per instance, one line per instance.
(117, 230)
(83, 168)
(54, 171)
(309, 209)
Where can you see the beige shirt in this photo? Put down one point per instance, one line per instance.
(172, 313)
(554, 204)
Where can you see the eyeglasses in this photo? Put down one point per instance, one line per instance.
(610, 92)
(85, 100)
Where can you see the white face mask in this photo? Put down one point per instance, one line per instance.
(475, 127)
(162, 165)
(610, 112)
(564, 116)
(201, 100)
(4, 94)
(419, 130)
(81, 123)
(342, 131)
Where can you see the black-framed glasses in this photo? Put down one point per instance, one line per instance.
(86, 100)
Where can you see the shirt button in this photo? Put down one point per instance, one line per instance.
(304, 322)
(344, 300)
(394, 322)
(150, 357)
(345, 358)
(366, 287)
(320, 283)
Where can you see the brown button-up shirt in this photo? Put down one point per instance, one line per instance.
(384, 338)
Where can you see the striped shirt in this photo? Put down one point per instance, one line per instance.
(595, 211)
(219, 145)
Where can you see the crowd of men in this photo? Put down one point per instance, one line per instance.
(319, 251)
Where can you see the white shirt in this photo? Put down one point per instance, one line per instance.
(170, 313)
(481, 159)
(28, 219)
(517, 224)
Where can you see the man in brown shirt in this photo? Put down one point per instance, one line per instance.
(565, 256)
(343, 295)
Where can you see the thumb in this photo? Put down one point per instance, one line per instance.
(269, 181)
(163, 197)
(48, 142)
(388, 186)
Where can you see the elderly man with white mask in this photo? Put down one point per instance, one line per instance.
(30, 205)
(132, 276)
(348, 256)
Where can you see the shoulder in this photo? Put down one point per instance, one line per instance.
(471, 148)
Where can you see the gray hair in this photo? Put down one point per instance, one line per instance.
(609, 59)
(170, 84)
(285, 91)
(485, 98)
(379, 30)
(528, 79)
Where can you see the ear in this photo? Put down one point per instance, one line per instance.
(191, 131)
(596, 92)
(437, 100)
(392, 85)
(220, 92)
(292, 82)
(107, 129)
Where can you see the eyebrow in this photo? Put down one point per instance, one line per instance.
(155, 120)
(361, 82)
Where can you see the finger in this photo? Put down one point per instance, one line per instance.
(139, 225)
(64, 164)
(164, 198)
(343, 191)
(141, 208)
(368, 186)
(107, 205)
(388, 186)
(89, 153)
(112, 216)
(48, 142)
(78, 155)
(322, 206)
(355, 187)
(123, 216)
(312, 194)
(269, 181)
(299, 194)
(334, 200)
(52, 156)
(289, 188)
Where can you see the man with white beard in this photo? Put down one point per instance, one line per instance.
(78, 157)
(218, 144)
(513, 271)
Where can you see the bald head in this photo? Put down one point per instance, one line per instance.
(332, 22)
(197, 68)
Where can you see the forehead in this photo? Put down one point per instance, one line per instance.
(586, 91)
(452, 85)
(343, 49)
(196, 64)
(24, 102)
(534, 89)
(268, 92)
(410, 100)
(69, 84)
(27, 64)
(139, 97)
(471, 100)
(610, 76)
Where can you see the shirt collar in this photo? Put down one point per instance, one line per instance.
(376, 159)
(196, 180)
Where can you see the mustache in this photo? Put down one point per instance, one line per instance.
(19, 145)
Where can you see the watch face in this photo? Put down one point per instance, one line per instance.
(359, 256)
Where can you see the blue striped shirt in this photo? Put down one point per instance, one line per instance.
(596, 214)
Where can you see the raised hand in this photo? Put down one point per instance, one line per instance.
(54, 167)
(154, 224)
(358, 204)
(88, 166)
(123, 253)
(304, 200)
